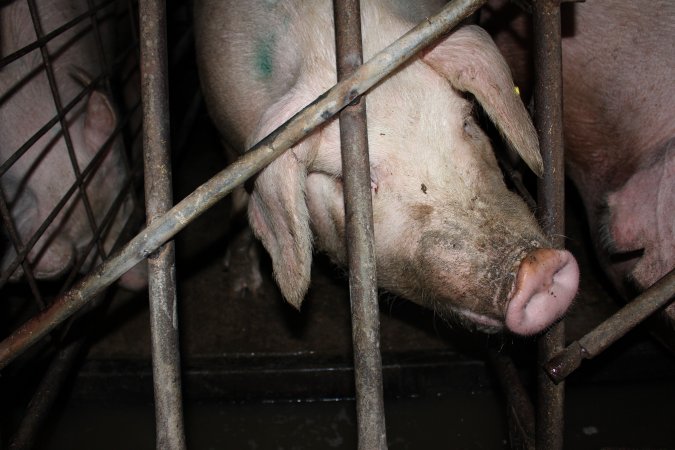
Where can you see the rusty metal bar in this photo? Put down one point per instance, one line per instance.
(158, 200)
(45, 397)
(299, 126)
(520, 410)
(551, 190)
(359, 236)
(609, 331)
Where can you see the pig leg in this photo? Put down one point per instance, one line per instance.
(242, 261)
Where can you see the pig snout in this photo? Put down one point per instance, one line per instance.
(544, 288)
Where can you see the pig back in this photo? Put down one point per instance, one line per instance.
(256, 54)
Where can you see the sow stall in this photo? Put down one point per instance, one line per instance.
(42, 334)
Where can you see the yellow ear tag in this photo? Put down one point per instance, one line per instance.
(516, 89)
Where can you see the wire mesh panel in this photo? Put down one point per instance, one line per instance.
(65, 175)
(68, 122)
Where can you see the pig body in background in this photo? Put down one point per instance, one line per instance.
(448, 233)
(41, 177)
(619, 124)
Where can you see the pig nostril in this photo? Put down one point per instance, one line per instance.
(545, 287)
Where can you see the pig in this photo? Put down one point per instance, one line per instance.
(618, 60)
(449, 235)
(37, 181)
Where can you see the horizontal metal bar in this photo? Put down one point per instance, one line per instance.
(605, 334)
(260, 155)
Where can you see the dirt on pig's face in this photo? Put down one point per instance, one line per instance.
(448, 233)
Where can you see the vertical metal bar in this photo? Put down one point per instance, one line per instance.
(159, 199)
(359, 235)
(520, 410)
(548, 121)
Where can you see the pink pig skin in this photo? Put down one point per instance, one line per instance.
(448, 233)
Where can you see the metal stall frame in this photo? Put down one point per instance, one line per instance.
(551, 201)
(81, 174)
(165, 225)
(68, 348)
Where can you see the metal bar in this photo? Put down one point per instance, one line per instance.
(260, 155)
(56, 375)
(46, 394)
(71, 349)
(548, 121)
(359, 236)
(159, 199)
(609, 331)
(520, 410)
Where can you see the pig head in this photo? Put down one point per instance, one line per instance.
(39, 180)
(448, 233)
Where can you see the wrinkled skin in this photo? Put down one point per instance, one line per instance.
(40, 178)
(448, 234)
(619, 125)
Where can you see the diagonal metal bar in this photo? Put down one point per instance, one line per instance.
(551, 201)
(609, 331)
(260, 155)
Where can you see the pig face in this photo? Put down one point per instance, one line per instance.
(448, 233)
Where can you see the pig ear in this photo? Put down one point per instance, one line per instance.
(471, 62)
(279, 217)
(100, 120)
